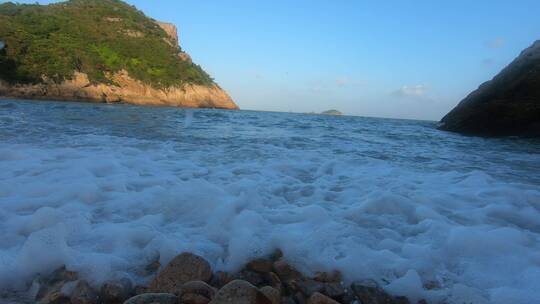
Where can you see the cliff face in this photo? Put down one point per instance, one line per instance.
(509, 104)
(100, 51)
(171, 31)
(126, 90)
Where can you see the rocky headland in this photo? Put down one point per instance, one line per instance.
(507, 105)
(189, 279)
(125, 89)
(99, 51)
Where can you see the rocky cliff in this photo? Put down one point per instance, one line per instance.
(125, 89)
(509, 104)
(101, 51)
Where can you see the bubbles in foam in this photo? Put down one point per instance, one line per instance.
(105, 195)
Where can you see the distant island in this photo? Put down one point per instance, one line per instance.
(332, 112)
(101, 51)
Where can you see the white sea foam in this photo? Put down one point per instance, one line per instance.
(393, 201)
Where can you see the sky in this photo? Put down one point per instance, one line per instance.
(399, 59)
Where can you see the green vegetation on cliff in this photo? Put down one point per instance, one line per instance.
(96, 37)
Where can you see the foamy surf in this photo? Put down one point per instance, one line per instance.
(106, 189)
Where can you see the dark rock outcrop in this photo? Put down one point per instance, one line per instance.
(507, 105)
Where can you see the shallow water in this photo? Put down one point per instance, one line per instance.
(105, 189)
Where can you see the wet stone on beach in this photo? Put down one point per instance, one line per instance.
(182, 269)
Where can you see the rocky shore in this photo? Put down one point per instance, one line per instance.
(189, 279)
(126, 89)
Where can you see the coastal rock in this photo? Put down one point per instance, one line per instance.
(288, 300)
(259, 279)
(182, 269)
(307, 286)
(509, 104)
(328, 277)
(334, 290)
(153, 298)
(113, 292)
(196, 288)
(272, 294)
(124, 89)
(318, 298)
(83, 293)
(191, 298)
(220, 279)
(56, 287)
(260, 265)
(240, 292)
(285, 271)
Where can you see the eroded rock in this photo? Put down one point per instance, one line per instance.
(113, 292)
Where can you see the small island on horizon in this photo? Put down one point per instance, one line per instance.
(332, 112)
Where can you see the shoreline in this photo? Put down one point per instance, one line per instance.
(189, 279)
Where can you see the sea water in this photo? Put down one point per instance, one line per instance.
(106, 189)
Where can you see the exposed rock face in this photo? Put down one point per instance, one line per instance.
(126, 89)
(509, 104)
(132, 58)
(171, 30)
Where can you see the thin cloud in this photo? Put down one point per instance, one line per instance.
(335, 85)
(419, 90)
(488, 62)
(496, 43)
(345, 81)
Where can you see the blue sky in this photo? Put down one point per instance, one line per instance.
(404, 59)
